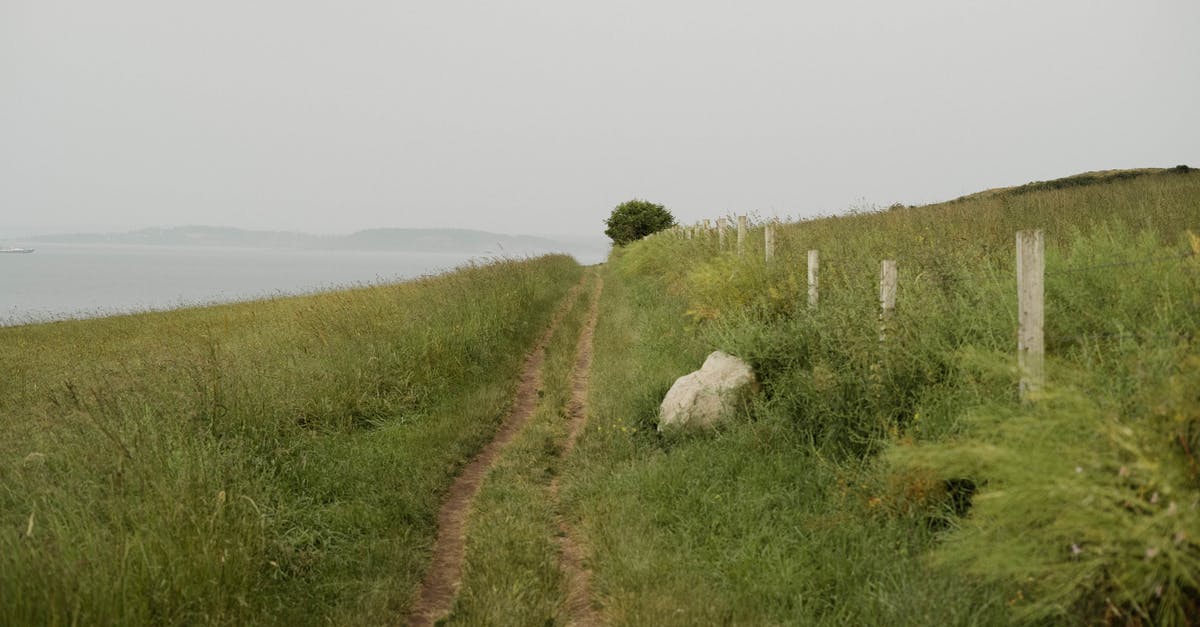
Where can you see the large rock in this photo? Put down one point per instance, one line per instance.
(709, 395)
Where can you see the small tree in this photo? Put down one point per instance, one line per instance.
(635, 219)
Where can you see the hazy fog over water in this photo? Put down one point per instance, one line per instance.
(538, 117)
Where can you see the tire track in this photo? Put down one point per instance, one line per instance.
(579, 608)
(444, 577)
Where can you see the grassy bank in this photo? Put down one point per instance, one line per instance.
(277, 462)
(904, 482)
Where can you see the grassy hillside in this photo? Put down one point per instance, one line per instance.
(1081, 180)
(276, 462)
(282, 462)
(903, 482)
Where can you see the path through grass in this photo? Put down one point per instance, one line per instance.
(515, 572)
(274, 462)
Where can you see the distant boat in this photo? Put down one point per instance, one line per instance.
(16, 250)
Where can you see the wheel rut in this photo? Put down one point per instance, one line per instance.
(572, 560)
(444, 577)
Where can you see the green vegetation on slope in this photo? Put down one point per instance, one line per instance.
(903, 482)
(276, 462)
(1081, 180)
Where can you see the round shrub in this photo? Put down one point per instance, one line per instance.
(635, 219)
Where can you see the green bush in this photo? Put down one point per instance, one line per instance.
(1091, 510)
(632, 220)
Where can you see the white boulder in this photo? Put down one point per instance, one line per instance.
(709, 395)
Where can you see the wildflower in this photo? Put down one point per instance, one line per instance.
(1151, 552)
(1075, 550)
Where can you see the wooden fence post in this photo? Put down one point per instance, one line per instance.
(769, 241)
(721, 233)
(1031, 310)
(741, 246)
(814, 265)
(888, 275)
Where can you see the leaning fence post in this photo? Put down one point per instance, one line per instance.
(721, 233)
(769, 241)
(814, 264)
(741, 245)
(888, 274)
(1031, 310)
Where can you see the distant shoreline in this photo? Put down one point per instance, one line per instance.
(86, 281)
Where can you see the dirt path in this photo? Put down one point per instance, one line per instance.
(580, 610)
(444, 576)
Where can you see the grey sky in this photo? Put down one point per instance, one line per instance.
(539, 117)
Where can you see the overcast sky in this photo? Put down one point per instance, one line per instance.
(539, 117)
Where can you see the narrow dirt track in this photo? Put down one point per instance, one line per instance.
(444, 576)
(580, 610)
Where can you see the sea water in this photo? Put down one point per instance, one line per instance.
(74, 281)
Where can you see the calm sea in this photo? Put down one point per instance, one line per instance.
(74, 281)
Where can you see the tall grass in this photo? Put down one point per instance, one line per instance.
(918, 437)
(749, 526)
(272, 462)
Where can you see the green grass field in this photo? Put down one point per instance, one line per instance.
(275, 462)
(283, 461)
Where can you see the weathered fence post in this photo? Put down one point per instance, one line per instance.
(888, 275)
(741, 246)
(721, 233)
(769, 241)
(814, 265)
(1031, 310)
